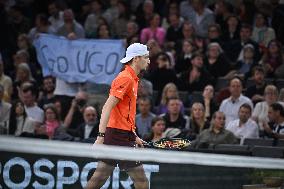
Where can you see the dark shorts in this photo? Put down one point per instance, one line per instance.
(118, 137)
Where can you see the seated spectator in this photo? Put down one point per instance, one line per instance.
(196, 77)
(103, 32)
(215, 61)
(223, 10)
(245, 63)
(145, 87)
(256, 91)
(71, 28)
(20, 124)
(154, 51)
(23, 74)
(202, 17)
(232, 29)
(42, 25)
(197, 121)
(88, 130)
(144, 15)
(184, 58)
(169, 91)
(260, 112)
(276, 115)
(174, 117)
(5, 108)
(262, 33)
(6, 82)
(244, 127)
(281, 95)
(132, 35)
(27, 94)
(272, 58)
(231, 105)
(214, 34)
(208, 101)
(144, 117)
(74, 116)
(188, 34)
(157, 129)
(174, 31)
(163, 74)
(154, 31)
(216, 134)
(51, 122)
(47, 95)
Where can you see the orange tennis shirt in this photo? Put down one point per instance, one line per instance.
(124, 87)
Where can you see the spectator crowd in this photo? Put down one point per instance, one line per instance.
(216, 74)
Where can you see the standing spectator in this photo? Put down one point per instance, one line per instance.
(273, 58)
(231, 105)
(48, 91)
(5, 108)
(42, 25)
(158, 126)
(154, 31)
(276, 115)
(6, 82)
(260, 112)
(197, 121)
(174, 117)
(71, 28)
(88, 130)
(202, 17)
(262, 34)
(51, 122)
(20, 124)
(244, 126)
(27, 94)
(256, 91)
(56, 16)
(144, 118)
(91, 23)
(216, 134)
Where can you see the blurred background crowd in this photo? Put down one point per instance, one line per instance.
(216, 72)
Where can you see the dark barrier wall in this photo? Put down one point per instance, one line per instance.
(18, 170)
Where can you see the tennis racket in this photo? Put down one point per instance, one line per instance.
(169, 143)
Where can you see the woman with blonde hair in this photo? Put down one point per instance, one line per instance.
(197, 121)
(170, 90)
(260, 112)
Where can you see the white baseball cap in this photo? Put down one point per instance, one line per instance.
(135, 49)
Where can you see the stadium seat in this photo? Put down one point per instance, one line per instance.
(267, 151)
(234, 149)
(280, 143)
(258, 142)
(183, 95)
(279, 83)
(221, 83)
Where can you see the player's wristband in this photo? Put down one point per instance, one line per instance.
(101, 134)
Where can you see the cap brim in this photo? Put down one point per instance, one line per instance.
(125, 60)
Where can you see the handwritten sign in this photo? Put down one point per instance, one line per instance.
(83, 60)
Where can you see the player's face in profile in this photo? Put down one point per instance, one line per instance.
(144, 62)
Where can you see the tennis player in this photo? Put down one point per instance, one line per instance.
(117, 124)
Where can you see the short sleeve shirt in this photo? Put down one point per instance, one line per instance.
(124, 87)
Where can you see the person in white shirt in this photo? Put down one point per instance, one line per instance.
(28, 96)
(244, 127)
(231, 105)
